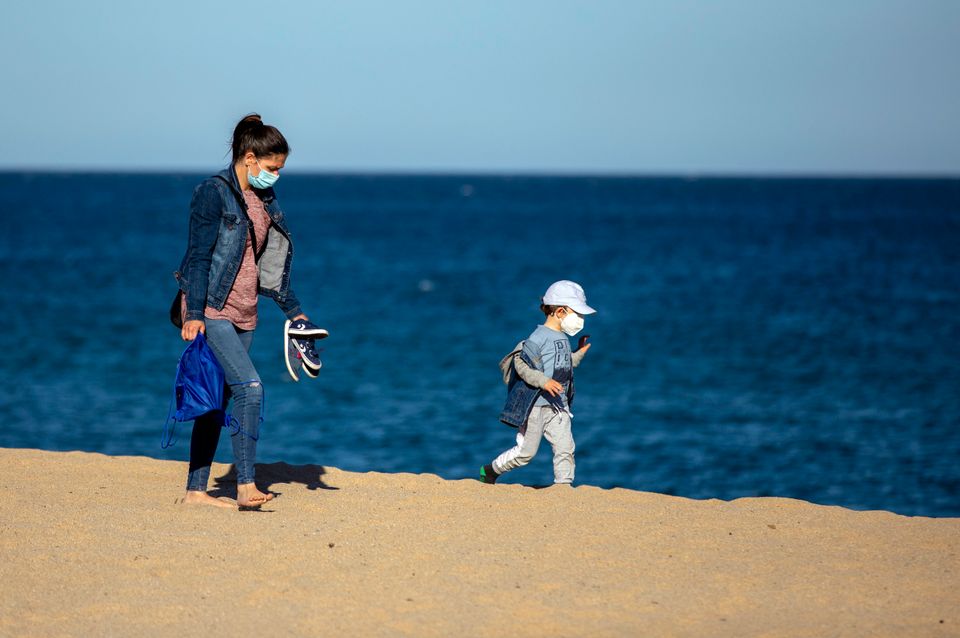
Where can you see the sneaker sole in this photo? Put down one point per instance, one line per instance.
(289, 350)
(316, 333)
(310, 373)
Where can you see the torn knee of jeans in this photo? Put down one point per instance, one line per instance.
(249, 384)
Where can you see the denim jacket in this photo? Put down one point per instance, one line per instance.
(219, 227)
(521, 396)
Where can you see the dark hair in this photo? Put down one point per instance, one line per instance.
(251, 134)
(549, 310)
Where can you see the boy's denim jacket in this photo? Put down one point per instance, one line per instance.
(523, 373)
(219, 227)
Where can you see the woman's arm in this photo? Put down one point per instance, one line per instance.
(205, 211)
(291, 306)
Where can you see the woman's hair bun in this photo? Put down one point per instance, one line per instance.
(251, 134)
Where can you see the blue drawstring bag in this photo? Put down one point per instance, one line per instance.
(197, 390)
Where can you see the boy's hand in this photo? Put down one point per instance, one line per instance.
(553, 388)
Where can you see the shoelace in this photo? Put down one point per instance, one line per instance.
(308, 346)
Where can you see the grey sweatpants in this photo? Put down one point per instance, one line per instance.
(544, 421)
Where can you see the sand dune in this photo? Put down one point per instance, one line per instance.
(95, 545)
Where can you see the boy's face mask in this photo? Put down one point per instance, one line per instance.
(572, 323)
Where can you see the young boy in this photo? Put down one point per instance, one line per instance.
(539, 378)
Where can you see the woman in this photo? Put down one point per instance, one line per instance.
(238, 246)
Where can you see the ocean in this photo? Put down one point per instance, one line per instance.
(755, 337)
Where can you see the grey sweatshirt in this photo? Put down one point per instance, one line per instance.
(529, 375)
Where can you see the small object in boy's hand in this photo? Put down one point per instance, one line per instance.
(583, 341)
(553, 387)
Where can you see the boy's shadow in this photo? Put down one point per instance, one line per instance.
(270, 474)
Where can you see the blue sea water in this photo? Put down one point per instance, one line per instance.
(788, 337)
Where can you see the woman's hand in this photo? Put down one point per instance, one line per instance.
(191, 328)
(553, 387)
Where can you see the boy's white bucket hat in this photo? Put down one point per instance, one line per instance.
(570, 294)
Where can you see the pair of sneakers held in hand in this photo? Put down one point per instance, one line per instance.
(299, 350)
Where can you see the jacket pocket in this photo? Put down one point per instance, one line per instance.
(230, 221)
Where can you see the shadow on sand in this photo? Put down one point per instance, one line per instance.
(270, 474)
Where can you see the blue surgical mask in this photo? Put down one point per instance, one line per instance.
(263, 179)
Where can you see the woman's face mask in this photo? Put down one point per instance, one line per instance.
(263, 179)
(572, 323)
(268, 169)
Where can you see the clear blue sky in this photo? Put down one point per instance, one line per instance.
(765, 86)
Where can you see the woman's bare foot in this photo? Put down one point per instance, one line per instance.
(196, 497)
(249, 496)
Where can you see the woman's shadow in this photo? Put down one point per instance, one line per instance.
(270, 474)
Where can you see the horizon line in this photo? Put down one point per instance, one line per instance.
(523, 173)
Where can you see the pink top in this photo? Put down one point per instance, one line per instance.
(241, 305)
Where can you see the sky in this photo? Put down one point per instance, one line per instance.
(862, 87)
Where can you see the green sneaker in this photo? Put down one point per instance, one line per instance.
(488, 475)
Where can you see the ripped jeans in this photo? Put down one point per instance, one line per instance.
(231, 346)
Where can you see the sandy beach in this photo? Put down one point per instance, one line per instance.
(98, 545)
